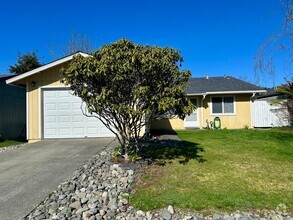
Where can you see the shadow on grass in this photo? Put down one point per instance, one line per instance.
(164, 151)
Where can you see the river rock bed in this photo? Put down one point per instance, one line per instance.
(100, 190)
(14, 147)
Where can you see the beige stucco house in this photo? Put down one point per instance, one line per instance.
(53, 112)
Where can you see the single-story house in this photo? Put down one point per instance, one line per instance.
(226, 97)
(12, 110)
(53, 112)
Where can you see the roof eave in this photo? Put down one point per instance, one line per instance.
(42, 68)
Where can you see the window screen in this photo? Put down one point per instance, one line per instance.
(222, 105)
(228, 105)
(217, 105)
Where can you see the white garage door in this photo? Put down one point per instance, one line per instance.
(63, 117)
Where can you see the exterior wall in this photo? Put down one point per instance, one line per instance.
(12, 111)
(48, 78)
(168, 124)
(241, 118)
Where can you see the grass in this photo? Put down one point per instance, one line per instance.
(7, 143)
(222, 170)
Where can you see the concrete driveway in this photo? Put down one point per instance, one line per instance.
(30, 173)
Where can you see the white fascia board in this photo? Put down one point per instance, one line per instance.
(195, 94)
(42, 68)
(227, 92)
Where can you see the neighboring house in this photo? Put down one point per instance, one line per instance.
(12, 110)
(267, 113)
(52, 111)
(225, 97)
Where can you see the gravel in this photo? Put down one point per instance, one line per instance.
(100, 190)
(13, 147)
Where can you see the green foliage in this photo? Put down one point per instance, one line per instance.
(117, 152)
(134, 157)
(126, 85)
(7, 143)
(246, 127)
(25, 63)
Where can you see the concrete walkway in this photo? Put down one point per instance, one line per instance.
(30, 173)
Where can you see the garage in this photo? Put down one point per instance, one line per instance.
(63, 117)
(51, 110)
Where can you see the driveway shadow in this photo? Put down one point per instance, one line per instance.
(164, 151)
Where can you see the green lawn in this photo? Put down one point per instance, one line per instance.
(7, 143)
(221, 170)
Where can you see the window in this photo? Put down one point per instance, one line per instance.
(223, 105)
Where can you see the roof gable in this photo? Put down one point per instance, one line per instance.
(44, 67)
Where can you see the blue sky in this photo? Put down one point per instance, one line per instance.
(215, 37)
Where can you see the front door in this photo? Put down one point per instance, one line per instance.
(191, 121)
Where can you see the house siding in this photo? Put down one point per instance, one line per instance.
(168, 124)
(241, 118)
(12, 111)
(50, 77)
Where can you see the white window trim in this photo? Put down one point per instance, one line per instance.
(222, 96)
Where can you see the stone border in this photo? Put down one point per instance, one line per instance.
(12, 147)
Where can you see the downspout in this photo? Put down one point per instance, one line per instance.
(202, 118)
(251, 111)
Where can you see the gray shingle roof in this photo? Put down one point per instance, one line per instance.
(219, 84)
(6, 75)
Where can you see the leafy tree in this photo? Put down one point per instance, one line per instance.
(127, 85)
(25, 63)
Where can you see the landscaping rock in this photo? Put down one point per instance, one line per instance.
(170, 210)
(102, 212)
(166, 215)
(10, 148)
(217, 216)
(75, 205)
(81, 210)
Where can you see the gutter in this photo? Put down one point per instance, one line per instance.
(226, 92)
